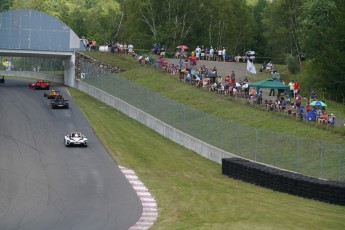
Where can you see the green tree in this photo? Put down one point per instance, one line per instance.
(281, 28)
(220, 23)
(5, 5)
(292, 64)
(323, 42)
(259, 40)
(318, 23)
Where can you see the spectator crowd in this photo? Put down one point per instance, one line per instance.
(201, 76)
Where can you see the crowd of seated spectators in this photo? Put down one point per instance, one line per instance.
(202, 76)
(208, 78)
(317, 113)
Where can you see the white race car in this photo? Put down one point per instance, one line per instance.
(75, 138)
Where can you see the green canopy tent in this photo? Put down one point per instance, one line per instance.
(269, 83)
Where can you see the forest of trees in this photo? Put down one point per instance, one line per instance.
(307, 32)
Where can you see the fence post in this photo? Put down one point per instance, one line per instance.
(321, 160)
(173, 115)
(256, 144)
(221, 133)
(184, 117)
(276, 145)
(237, 139)
(339, 164)
(297, 154)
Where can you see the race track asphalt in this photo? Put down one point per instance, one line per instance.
(47, 186)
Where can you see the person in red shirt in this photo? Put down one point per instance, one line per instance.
(192, 60)
(296, 88)
(227, 80)
(233, 77)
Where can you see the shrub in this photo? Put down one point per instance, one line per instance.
(292, 64)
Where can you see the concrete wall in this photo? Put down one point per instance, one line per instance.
(34, 75)
(187, 141)
(69, 70)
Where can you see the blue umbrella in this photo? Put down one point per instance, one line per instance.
(318, 103)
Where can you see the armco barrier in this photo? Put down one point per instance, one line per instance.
(187, 141)
(284, 181)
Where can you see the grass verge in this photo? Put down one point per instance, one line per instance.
(190, 190)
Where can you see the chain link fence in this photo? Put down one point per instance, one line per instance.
(307, 156)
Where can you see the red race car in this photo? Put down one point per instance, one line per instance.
(39, 84)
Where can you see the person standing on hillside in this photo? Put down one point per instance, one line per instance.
(181, 63)
(197, 53)
(296, 88)
(192, 60)
(224, 53)
(155, 48)
(220, 54)
(202, 54)
(211, 54)
(292, 87)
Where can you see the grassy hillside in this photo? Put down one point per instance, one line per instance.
(190, 191)
(218, 105)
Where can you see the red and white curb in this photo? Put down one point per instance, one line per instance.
(150, 211)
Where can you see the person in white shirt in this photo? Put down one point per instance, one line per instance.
(197, 80)
(224, 52)
(130, 48)
(234, 91)
(211, 53)
(197, 53)
(219, 79)
(220, 55)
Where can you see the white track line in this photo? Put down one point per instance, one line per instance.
(150, 211)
